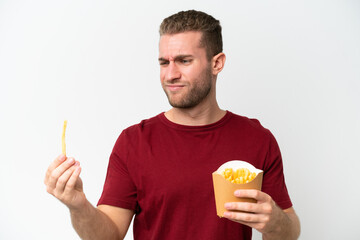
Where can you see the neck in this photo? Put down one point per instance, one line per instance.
(202, 114)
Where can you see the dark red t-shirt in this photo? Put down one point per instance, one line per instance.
(163, 171)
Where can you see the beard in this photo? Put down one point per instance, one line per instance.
(197, 92)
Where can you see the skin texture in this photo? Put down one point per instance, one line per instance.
(189, 81)
(186, 71)
(185, 78)
(265, 216)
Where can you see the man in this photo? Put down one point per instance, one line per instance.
(160, 169)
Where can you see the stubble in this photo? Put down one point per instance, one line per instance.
(199, 90)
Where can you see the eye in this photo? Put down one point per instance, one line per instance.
(185, 61)
(163, 63)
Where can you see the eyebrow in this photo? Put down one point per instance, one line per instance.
(176, 58)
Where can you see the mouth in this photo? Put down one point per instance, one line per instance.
(174, 87)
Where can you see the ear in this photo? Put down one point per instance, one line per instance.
(217, 63)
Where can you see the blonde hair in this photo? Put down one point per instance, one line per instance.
(193, 20)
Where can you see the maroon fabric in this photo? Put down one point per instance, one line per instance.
(162, 170)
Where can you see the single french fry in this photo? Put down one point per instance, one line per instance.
(63, 138)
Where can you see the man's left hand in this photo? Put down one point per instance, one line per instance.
(265, 216)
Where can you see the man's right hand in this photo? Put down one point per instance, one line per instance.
(62, 181)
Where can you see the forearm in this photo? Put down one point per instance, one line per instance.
(287, 229)
(90, 224)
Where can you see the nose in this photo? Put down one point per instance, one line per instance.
(172, 72)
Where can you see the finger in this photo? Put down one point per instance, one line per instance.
(64, 178)
(244, 207)
(57, 172)
(256, 221)
(71, 183)
(243, 217)
(252, 193)
(58, 160)
(256, 225)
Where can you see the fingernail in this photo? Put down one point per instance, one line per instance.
(70, 160)
(237, 193)
(78, 169)
(226, 214)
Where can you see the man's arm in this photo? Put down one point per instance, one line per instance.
(105, 222)
(265, 216)
(289, 227)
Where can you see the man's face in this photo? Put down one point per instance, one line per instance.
(185, 71)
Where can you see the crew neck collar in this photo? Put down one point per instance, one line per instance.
(177, 126)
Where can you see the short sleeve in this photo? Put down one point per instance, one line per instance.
(273, 179)
(119, 189)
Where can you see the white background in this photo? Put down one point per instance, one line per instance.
(294, 65)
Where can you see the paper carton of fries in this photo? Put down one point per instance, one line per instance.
(231, 176)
